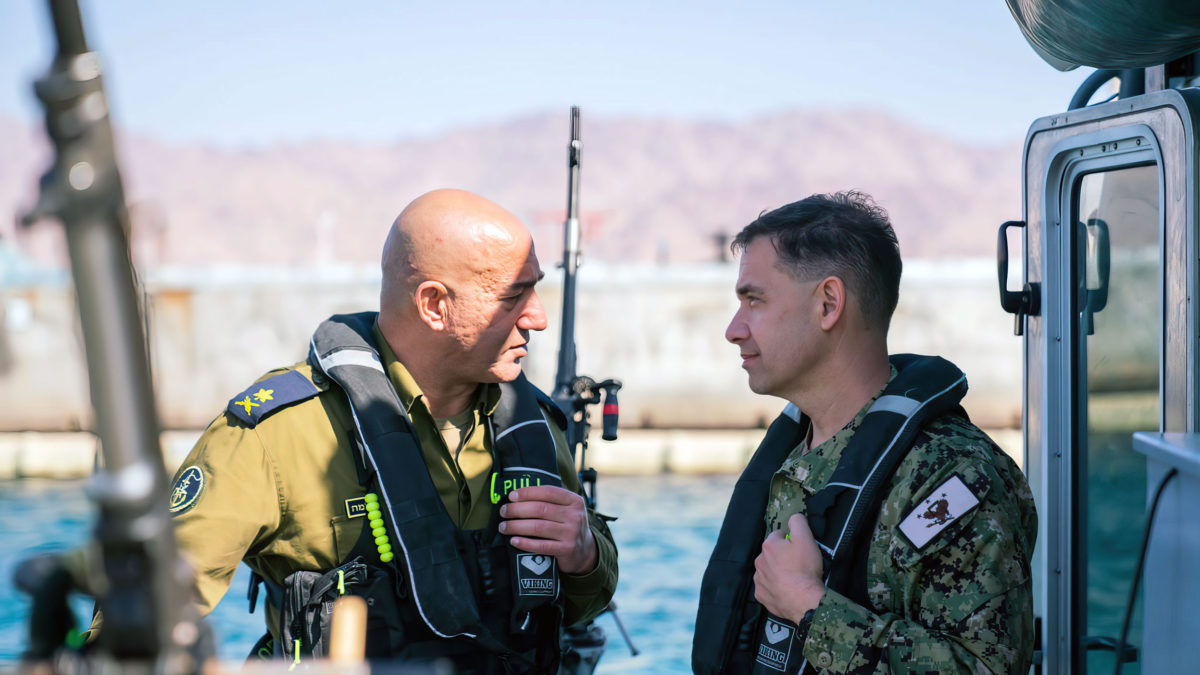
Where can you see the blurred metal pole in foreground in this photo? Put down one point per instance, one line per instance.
(143, 588)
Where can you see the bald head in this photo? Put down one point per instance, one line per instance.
(458, 299)
(452, 236)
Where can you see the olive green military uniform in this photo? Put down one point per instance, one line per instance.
(276, 494)
(962, 602)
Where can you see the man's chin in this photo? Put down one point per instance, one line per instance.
(504, 373)
(760, 387)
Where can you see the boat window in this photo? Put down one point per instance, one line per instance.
(1116, 274)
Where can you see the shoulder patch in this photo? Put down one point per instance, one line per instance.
(947, 503)
(274, 393)
(186, 490)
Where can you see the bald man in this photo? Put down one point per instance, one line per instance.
(407, 460)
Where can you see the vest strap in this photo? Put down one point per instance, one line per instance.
(843, 514)
(343, 349)
(726, 590)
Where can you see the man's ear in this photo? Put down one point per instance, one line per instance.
(831, 294)
(431, 299)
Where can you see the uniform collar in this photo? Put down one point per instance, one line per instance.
(487, 397)
(815, 467)
(844, 434)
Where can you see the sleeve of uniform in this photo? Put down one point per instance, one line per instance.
(235, 508)
(968, 591)
(587, 595)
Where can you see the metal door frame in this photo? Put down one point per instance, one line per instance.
(1058, 151)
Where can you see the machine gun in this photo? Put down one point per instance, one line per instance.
(141, 583)
(574, 393)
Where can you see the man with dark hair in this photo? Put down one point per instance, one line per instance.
(876, 529)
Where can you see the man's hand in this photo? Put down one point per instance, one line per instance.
(787, 577)
(551, 521)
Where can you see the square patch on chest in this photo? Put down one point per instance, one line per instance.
(356, 507)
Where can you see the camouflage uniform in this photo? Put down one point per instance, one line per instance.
(961, 603)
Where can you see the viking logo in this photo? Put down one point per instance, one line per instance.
(536, 574)
(770, 655)
(777, 631)
(537, 563)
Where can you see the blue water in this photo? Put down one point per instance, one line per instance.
(665, 531)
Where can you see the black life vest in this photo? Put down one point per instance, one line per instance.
(466, 595)
(730, 622)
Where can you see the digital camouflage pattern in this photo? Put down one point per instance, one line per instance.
(961, 604)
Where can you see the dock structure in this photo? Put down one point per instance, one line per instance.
(686, 407)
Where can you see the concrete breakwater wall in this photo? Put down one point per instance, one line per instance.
(658, 329)
(33, 454)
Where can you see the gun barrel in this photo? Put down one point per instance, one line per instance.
(570, 264)
(68, 27)
(574, 150)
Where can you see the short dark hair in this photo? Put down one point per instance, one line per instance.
(844, 234)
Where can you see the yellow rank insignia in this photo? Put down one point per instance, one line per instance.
(186, 490)
(274, 393)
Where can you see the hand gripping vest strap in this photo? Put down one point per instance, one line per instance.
(534, 578)
(726, 589)
(841, 516)
(343, 348)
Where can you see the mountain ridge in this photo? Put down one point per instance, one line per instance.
(653, 189)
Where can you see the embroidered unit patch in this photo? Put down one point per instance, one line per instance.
(187, 489)
(946, 504)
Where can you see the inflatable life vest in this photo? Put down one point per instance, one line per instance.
(733, 632)
(434, 591)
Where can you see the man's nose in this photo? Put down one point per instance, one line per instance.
(736, 331)
(534, 315)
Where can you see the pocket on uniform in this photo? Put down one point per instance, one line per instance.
(346, 532)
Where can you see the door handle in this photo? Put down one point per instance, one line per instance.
(1022, 303)
(1096, 299)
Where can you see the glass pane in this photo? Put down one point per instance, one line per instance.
(1117, 270)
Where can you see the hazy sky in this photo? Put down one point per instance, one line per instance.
(247, 73)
